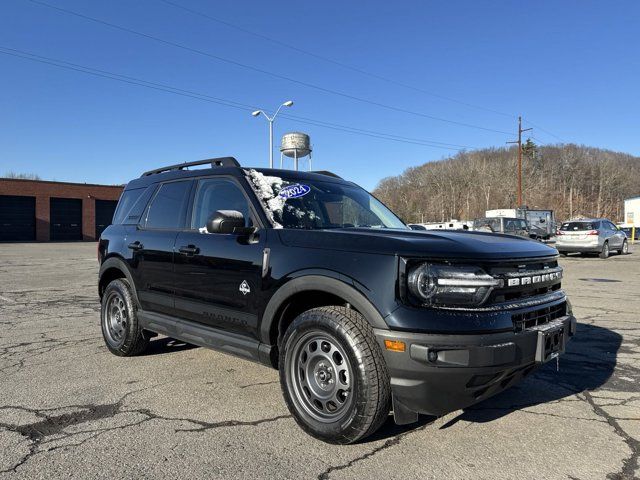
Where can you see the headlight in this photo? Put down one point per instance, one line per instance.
(444, 285)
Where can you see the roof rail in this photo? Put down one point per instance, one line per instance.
(327, 173)
(214, 162)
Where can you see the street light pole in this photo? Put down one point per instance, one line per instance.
(271, 142)
(257, 113)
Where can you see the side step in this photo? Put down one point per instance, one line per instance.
(205, 336)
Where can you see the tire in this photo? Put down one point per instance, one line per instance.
(118, 317)
(334, 344)
(624, 249)
(605, 250)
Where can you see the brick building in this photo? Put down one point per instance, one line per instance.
(57, 211)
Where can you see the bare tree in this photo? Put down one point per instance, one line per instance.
(571, 179)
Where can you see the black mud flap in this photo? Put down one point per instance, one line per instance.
(401, 414)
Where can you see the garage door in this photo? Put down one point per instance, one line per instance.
(17, 218)
(66, 219)
(104, 214)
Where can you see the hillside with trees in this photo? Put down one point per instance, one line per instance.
(571, 179)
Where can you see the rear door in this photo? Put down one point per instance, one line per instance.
(219, 276)
(151, 245)
(616, 236)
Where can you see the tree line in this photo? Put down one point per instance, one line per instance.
(573, 180)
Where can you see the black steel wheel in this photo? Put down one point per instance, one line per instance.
(333, 376)
(120, 328)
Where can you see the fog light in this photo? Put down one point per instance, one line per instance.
(432, 356)
(394, 345)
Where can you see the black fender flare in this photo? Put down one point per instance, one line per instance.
(119, 264)
(338, 287)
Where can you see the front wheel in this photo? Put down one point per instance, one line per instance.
(605, 250)
(625, 248)
(333, 376)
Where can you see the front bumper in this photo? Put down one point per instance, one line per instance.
(437, 373)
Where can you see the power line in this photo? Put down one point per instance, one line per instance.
(220, 101)
(265, 72)
(332, 61)
(545, 131)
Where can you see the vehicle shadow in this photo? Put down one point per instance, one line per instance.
(159, 346)
(588, 363)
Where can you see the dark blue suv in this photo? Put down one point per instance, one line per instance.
(310, 274)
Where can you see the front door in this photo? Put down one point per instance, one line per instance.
(218, 278)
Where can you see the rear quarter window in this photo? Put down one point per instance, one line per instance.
(132, 204)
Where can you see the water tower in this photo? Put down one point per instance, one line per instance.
(295, 145)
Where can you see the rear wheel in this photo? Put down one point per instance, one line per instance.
(605, 250)
(120, 327)
(333, 376)
(625, 248)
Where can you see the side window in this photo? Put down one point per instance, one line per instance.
(218, 194)
(168, 207)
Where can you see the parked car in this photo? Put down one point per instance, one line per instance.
(597, 235)
(541, 223)
(310, 274)
(507, 225)
(416, 226)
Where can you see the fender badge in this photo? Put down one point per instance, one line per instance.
(244, 288)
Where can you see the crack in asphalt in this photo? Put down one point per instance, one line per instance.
(49, 425)
(391, 442)
(630, 464)
(258, 384)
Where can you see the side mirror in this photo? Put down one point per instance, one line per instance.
(228, 221)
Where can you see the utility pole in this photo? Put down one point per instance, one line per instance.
(519, 142)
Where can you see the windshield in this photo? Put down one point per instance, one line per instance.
(312, 204)
(577, 226)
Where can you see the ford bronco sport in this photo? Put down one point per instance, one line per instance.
(310, 274)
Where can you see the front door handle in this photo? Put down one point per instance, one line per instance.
(189, 250)
(136, 246)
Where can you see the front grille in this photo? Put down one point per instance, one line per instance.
(537, 270)
(541, 316)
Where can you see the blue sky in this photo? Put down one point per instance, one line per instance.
(570, 67)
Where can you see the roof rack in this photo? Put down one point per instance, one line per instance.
(327, 173)
(214, 162)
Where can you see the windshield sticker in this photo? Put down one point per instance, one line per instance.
(295, 191)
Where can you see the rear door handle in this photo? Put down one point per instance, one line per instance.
(189, 250)
(136, 246)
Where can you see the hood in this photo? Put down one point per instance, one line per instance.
(432, 244)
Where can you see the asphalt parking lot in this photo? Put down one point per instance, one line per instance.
(68, 408)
